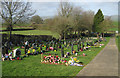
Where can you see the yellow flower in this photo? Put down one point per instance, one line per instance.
(77, 61)
(28, 51)
(33, 50)
(74, 58)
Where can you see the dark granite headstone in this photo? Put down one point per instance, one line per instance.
(78, 47)
(72, 48)
(62, 51)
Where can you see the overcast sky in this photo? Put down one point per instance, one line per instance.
(50, 8)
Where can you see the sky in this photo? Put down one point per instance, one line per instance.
(50, 8)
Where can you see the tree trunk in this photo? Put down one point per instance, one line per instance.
(88, 34)
(10, 32)
(97, 35)
(75, 32)
(60, 37)
(64, 39)
(103, 35)
(78, 34)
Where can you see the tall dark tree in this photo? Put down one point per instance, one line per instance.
(13, 11)
(98, 18)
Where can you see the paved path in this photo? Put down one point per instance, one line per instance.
(104, 64)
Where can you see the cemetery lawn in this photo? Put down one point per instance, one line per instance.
(116, 39)
(31, 66)
(118, 42)
(35, 32)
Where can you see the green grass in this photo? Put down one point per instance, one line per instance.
(118, 42)
(31, 66)
(17, 27)
(116, 39)
(34, 32)
(115, 26)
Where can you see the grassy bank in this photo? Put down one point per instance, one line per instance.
(34, 32)
(31, 66)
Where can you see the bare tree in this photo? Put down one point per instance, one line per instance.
(65, 9)
(106, 24)
(13, 11)
(65, 13)
(87, 20)
(76, 16)
(61, 26)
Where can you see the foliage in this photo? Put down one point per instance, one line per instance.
(14, 11)
(65, 9)
(98, 18)
(106, 24)
(37, 19)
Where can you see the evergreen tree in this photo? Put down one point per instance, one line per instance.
(98, 19)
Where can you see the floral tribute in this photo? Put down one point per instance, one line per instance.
(53, 60)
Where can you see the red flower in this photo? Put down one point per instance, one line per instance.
(13, 59)
(56, 56)
(17, 58)
(44, 56)
(65, 61)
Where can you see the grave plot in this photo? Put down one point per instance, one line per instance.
(70, 56)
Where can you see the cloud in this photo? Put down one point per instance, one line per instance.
(74, 0)
(50, 8)
(45, 8)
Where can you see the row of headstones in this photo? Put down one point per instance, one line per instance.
(64, 44)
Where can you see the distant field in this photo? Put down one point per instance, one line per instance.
(115, 26)
(115, 23)
(35, 32)
(4, 28)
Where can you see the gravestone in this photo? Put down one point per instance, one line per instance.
(62, 51)
(78, 47)
(72, 48)
(56, 46)
(46, 46)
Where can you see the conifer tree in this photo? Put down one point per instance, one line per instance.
(98, 18)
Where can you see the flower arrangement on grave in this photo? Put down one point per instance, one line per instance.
(22, 47)
(53, 60)
(54, 50)
(43, 45)
(75, 62)
(74, 52)
(84, 54)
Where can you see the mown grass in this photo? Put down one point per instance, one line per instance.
(114, 27)
(31, 66)
(118, 42)
(34, 32)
